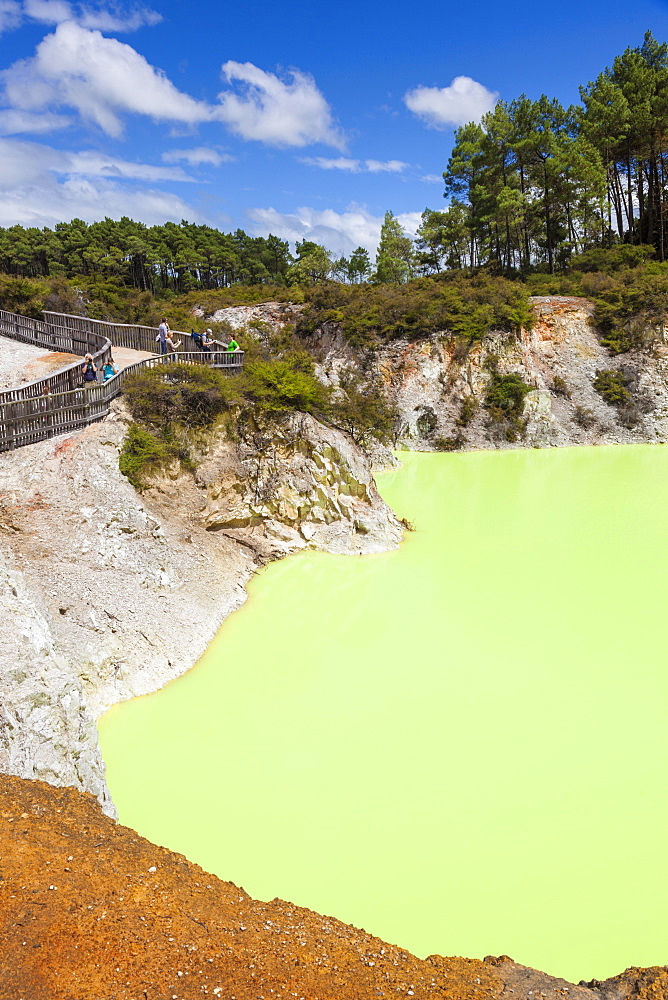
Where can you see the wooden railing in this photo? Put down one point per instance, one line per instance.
(52, 337)
(58, 403)
(139, 338)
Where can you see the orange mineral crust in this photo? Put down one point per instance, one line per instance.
(91, 911)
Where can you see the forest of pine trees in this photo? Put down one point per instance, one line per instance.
(536, 183)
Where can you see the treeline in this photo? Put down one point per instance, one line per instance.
(179, 257)
(173, 257)
(536, 183)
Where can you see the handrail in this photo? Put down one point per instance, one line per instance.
(30, 413)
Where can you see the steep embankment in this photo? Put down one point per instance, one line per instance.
(440, 389)
(439, 384)
(108, 594)
(90, 910)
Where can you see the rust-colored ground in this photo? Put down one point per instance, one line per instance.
(91, 911)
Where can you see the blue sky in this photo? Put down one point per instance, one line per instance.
(304, 120)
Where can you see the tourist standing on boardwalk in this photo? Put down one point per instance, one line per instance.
(170, 345)
(233, 346)
(163, 334)
(89, 371)
(196, 339)
(109, 369)
(207, 341)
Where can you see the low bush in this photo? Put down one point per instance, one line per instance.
(584, 417)
(505, 395)
(618, 258)
(560, 387)
(627, 287)
(142, 454)
(192, 395)
(449, 443)
(467, 411)
(361, 409)
(504, 402)
(613, 387)
(280, 385)
(169, 396)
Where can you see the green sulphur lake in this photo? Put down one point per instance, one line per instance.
(460, 746)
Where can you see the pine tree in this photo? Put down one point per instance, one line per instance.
(359, 265)
(394, 258)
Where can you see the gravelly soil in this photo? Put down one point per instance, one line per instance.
(91, 911)
(21, 363)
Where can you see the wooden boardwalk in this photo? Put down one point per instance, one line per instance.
(58, 402)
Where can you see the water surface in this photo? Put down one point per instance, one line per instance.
(460, 746)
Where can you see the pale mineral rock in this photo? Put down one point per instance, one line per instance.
(106, 593)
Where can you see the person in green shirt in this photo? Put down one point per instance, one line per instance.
(233, 346)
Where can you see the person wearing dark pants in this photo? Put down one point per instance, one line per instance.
(163, 334)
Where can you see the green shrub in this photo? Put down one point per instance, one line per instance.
(467, 411)
(560, 387)
(618, 258)
(505, 395)
(362, 410)
(628, 303)
(284, 385)
(504, 402)
(23, 295)
(142, 454)
(612, 386)
(584, 417)
(449, 443)
(192, 395)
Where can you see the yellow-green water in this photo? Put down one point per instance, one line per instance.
(460, 746)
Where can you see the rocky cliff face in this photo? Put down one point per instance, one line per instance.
(439, 387)
(107, 594)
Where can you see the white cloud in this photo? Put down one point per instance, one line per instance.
(354, 166)
(102, 78)
(278, 112)
(92, 164)
(331, 163)
(195, 157)
(10, 15)
(42, 186)
(15, 122)
(105, 20)
(463, 101)
(46, 202)
(432, 179)
(48, 11)
(57, 11)
(22, 162)
(99, 77)
(385, 166)
(340, 232)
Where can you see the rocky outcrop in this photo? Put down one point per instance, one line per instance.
(107, 594)
(286, 483)
(89, 909)
(256, 319)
